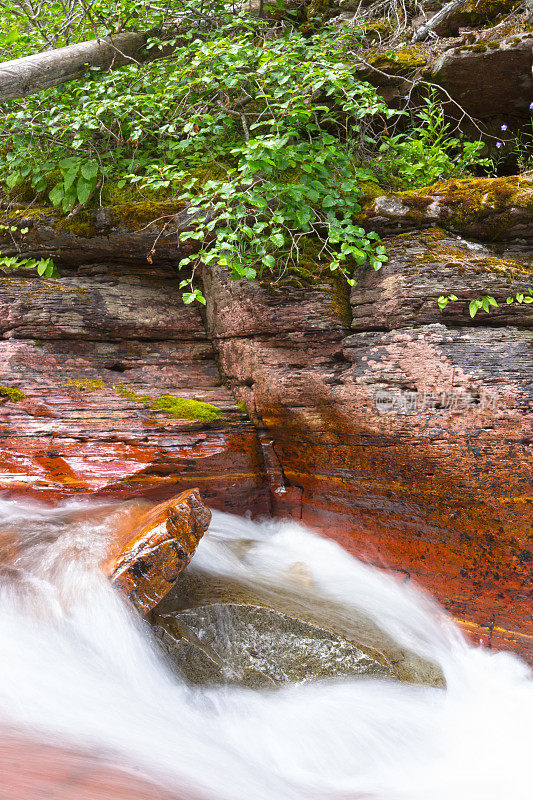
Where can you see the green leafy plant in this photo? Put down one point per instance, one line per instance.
(257, 134)
(427, 151)
(44, 267)
(486, 302)
(443, 300)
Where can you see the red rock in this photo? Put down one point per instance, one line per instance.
(440, 493)
(85, 349)
(440, 496)
(31, 770)
(152, 547)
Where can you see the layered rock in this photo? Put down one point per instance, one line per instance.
(401, 431)
(409, 437)
(153, 546)
(109, 385)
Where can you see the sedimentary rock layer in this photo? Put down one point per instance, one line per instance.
(409, 438)
(154, 546)
(94, 357)
(401, 430)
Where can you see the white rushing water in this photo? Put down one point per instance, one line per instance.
(77, 666)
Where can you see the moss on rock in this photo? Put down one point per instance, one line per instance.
(470, 201)
(402, 62)
(87, 384)
(81, 225)
(180, 408)
(479, 13)
(136, 215)
(12, 394)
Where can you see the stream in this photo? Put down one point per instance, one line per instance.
(215, 698)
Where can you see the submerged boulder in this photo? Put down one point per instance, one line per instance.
(220, 629)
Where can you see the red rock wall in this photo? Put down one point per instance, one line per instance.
(71, 346)
(402, 432)
(409, 445)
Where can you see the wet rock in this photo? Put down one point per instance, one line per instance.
(92, 355)
(402, 432)
(220, 630)
(154, 546)
(257, 647)
(409, 439)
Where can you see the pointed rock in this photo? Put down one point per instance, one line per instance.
(155, 547)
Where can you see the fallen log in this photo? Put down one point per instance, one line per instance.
(436, 20)
(23, 76)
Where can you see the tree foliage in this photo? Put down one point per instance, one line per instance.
(260, 130)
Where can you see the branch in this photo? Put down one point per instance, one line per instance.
(446, 11)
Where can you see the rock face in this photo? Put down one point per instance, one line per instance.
(155, 546)
(402, 431)
(489, 78)
(407, 433)
(102, 360)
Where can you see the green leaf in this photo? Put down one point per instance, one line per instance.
(89, 170)
(277, 239)
(84, 189)
(13, 179)
(12, 37)
(473, 307)
(56, 195)
(70, 177)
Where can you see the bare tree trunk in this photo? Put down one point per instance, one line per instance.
(24, 76)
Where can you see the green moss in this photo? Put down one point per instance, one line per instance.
(82, 225)
(13, 394)
(135, 215)
(402, 62)
(130, 394)
(88, 385)
(441, 251)
(472, 200)
(481, 12)
(370, 190)
(180, 408)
